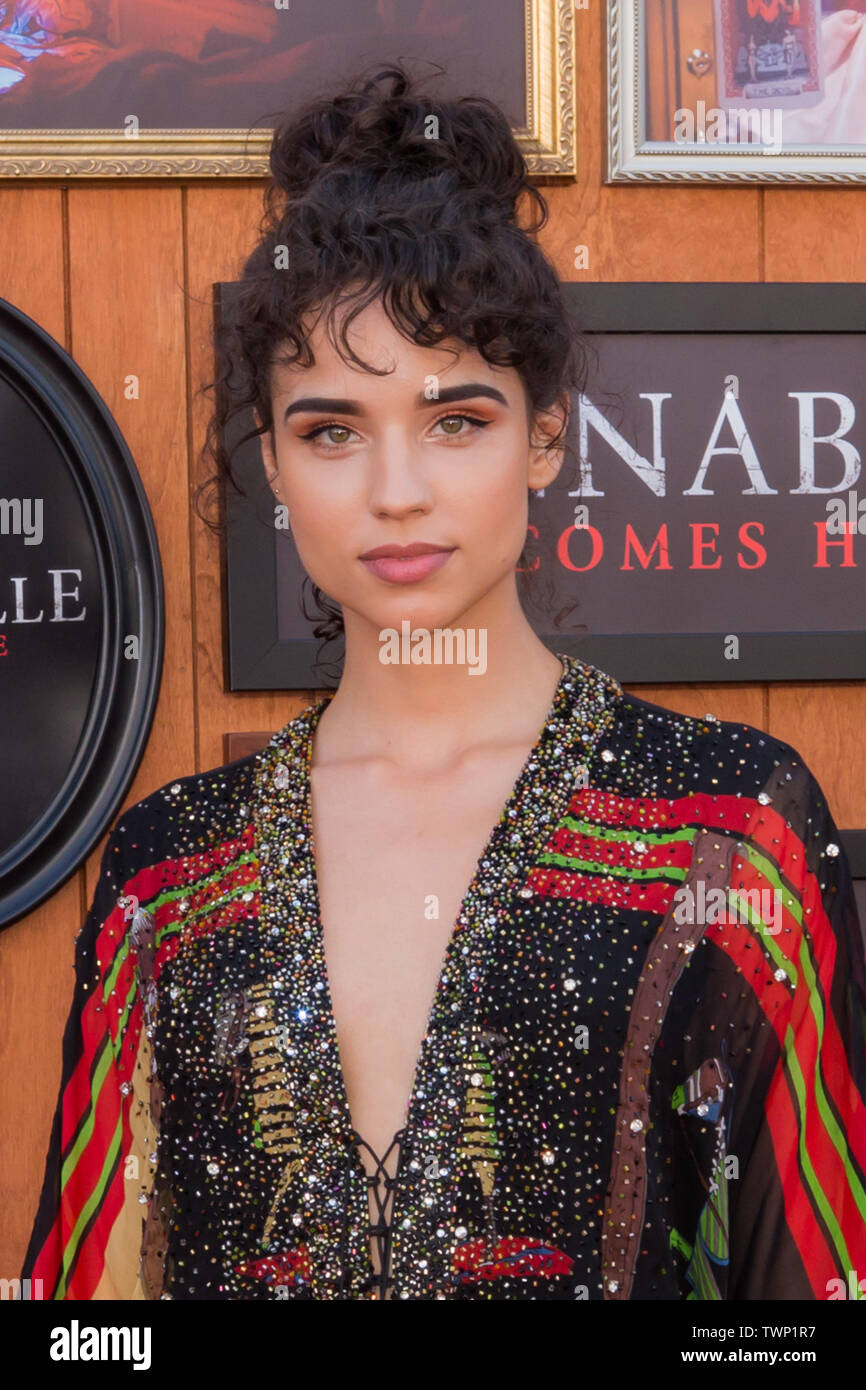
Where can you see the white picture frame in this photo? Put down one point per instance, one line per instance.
(633, 158)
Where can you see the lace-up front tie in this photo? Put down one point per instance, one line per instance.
(380, 1281)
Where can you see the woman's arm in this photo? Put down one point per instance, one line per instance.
(799, 1205)
(87, 1236)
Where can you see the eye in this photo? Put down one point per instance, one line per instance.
(332, 428)
(459, 419)
(320, 429)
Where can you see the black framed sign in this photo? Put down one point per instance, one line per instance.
(719, 522)
(710, 521)
(81, 616)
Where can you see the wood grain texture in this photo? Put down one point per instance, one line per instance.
(744, 703)
(220, 232)
(127, 315)
(121, 274)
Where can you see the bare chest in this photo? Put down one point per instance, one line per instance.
(394, 864)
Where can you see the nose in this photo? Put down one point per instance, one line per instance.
(399, 483)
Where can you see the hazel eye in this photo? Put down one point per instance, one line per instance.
(340, 429)
(321, 430)
(460, 420)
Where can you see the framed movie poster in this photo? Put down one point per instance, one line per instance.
(108, 88)
(762, 91)
(81, 616)
(709, 523)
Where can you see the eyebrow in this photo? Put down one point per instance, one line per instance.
(338, 406)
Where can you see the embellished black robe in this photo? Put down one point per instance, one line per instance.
(643, 1074)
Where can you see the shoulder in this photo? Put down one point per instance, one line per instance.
(726, 774)
(209, 816)
(685, 754)
(192, 814)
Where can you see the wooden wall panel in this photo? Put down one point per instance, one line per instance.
(221, 230)
(32, 273)
(126, 259)
(642, 231)
(815, 234)
(121, 275)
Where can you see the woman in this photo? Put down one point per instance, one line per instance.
(591, 1022)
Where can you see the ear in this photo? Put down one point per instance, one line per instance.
(545, 459)
(267, 448)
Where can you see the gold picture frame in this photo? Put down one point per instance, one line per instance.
(548, 138)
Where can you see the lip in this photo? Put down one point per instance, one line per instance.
(405, 564)
(416, 548)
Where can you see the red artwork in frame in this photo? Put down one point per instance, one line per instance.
(192, 87)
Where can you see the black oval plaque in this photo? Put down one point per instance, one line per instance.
(81, 616)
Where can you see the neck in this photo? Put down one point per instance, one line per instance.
(422, 709)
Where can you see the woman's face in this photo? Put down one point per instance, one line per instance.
(437, 451)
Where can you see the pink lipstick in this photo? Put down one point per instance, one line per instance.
(406, 564)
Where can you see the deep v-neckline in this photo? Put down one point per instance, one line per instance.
(458, 927)
(293, 960)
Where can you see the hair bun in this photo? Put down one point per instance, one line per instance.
(385, 130)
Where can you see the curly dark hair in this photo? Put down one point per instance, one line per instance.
(382, 190)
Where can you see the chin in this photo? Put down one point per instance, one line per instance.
(429, 616)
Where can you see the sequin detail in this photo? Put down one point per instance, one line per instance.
(651, 992)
